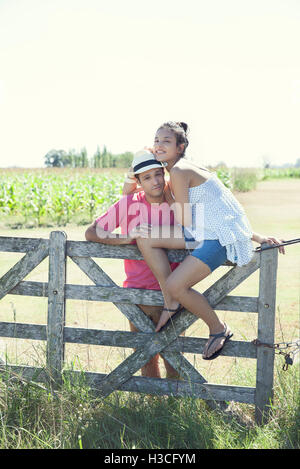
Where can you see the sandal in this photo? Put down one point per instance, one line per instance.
(217, 336)
(174, 311)
(177, 310)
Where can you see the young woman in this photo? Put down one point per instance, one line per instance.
(211, 222)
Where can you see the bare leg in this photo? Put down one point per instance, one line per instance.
(151, 369)
(157, 259)
(179, 283)
(176, 286)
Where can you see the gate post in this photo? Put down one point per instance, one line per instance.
(266, 332)
(56, 304)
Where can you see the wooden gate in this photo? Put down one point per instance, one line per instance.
(146, 343)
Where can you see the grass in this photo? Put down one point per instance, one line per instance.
(280, 173)
(35, 418)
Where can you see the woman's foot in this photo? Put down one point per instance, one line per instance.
(216, 342)
(166, 314)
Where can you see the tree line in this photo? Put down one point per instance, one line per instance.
(100, 159)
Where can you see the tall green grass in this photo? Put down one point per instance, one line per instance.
(56, 197)
(72, 417)
(280, 173)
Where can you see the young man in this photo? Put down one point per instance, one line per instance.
(146, 206)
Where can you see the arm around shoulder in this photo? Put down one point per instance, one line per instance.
(130, 184)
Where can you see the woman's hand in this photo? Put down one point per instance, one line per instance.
(141, 231)
(150, 149)
(130, 184)
(271, 240)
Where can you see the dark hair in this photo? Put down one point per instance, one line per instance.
(180, 129)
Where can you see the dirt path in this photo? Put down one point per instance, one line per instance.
(274, 206)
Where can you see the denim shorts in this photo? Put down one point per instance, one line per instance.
(209, 251)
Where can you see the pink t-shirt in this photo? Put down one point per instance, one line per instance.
(128, 213)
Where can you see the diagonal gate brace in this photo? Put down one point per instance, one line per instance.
(23, 267)
(171, 331)
(136, 316)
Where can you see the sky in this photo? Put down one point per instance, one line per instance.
(83, 73)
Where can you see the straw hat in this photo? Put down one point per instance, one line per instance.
(144, 160)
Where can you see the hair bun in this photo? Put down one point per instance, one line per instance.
(183, 125)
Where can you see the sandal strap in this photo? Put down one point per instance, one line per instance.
(179, 308)
(220, 334)
(217, 336)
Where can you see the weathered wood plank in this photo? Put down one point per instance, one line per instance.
(90, 249)
(142, 300)
(231, 280)
(156, 386)
(56, 303)
(29, 288)
(23, 331)
(37, 374)
(167, 341)
(130, 365)
(154, 297)
(114, 294)
(211, 392)
(23, 267)
(122, 339)
(87, 249)
(99, 277)
(175, 327)
(240, 304)
(266, 330)
(137, 339)
(135, 361)
(185, 369)
(17, 244)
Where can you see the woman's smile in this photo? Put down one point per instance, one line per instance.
(160, 153)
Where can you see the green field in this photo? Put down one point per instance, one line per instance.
(273, 209)
(58, 196)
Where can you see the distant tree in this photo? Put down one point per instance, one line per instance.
(266, 161)
(73, 159)
(55, 158)
(96, 161)
(124, 160)
(297, 164)
(105, 158)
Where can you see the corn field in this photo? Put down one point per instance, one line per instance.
(56, 197)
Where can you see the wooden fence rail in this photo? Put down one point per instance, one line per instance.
(146, 343)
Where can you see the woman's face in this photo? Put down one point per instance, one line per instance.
(165, 146)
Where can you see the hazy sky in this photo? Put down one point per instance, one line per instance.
(77, 73)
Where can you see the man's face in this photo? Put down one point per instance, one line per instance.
(153, 182)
